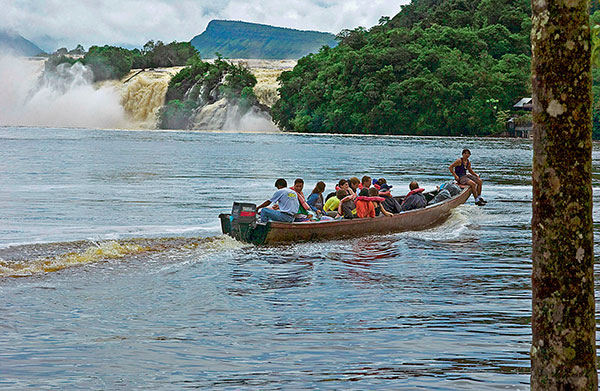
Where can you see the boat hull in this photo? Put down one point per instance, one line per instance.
(414, 220)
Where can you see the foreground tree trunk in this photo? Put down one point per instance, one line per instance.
(563, 352)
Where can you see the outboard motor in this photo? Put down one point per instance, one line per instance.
(243, 220)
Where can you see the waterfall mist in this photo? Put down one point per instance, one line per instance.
(66, 98)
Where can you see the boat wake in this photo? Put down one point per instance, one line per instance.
(33, 259)
(453, 229)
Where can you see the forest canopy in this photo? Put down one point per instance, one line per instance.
(111, 62)
(439, 67)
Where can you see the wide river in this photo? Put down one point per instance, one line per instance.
(114, 275)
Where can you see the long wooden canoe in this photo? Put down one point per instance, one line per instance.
(275, 232)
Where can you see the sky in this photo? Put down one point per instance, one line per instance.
(51, 24)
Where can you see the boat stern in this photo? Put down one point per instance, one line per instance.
(241, 224)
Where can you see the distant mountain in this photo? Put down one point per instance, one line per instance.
(233, 39)
(16, 44)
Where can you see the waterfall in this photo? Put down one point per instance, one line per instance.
(69, 98)
(223, 115)
(143, 94)
(266, 73)
(267, 85)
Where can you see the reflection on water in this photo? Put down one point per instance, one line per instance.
(128, 283)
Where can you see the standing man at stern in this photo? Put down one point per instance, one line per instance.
(286, 200)
(464, 175)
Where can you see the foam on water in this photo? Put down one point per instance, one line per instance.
(453, 228)
(52, 257)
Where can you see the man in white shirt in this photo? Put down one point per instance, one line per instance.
(286, 200)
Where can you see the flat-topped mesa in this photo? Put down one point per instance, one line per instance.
(236, 39)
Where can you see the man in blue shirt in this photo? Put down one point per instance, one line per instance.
(286, 201)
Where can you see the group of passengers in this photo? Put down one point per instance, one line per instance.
(352, 198)
(364, 198)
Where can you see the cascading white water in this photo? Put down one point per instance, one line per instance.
(64, 99)
(143, 94)
(223, 115)
(69, 98)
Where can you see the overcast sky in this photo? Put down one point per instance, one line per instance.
(56, 23)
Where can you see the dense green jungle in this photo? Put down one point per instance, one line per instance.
(439, 67)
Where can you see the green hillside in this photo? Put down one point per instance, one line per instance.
(18, 45)
(439, 67)
(233, 39)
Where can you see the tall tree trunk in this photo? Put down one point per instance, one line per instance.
(563, 352)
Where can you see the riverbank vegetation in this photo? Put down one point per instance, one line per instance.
(111, 62)
(439, 67)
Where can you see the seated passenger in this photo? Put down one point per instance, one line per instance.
(365, 184)
(442, 195)
(354, 185)
(379, 209)
(364, 206)
(315, 199)
(285, 199)
(342, 184)
(415, 198)
(347, 208)
(332, 204)
(302, 214)
(390, 203)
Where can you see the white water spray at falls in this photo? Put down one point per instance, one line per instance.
(65, 99)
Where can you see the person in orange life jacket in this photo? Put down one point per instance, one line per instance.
(415, 198)
(285, 200)
(464, 175)
(390, 203)
(369, 205)
(364, 207)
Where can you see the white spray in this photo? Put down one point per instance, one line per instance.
(65, 99)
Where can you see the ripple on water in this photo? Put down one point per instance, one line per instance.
(441, 309)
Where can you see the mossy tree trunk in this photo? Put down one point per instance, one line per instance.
(563, 352)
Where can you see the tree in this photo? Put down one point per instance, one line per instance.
(79, 50)
(563, 352)
(432, 67)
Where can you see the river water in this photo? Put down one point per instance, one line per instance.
(113, 272)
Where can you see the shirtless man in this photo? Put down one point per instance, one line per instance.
(464, 175)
